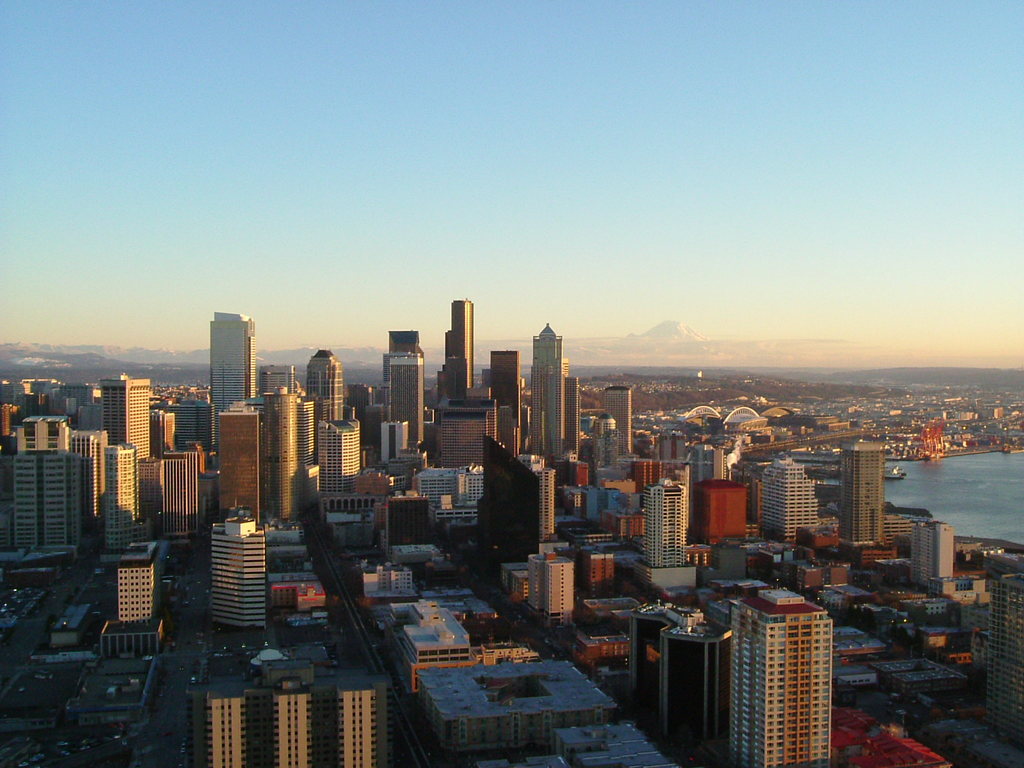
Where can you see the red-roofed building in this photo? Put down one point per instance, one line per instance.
(858, 741)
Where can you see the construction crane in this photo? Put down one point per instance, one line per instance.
(931, 440)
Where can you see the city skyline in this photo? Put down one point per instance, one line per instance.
(844, 174)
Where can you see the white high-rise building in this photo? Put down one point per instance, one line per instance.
(138, 583)
(465, 485)
(238, 592)
(932, 548)
(394, 438)
(787, 500)
(91, 445)
(120, 502)
(666, 517)
(781, 689)
(339, 455)
(47, 490)
(125, 403)
(232, 360)
(552, 585)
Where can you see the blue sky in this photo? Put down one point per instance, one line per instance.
(759, 170)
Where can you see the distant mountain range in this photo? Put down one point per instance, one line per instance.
(669, 344)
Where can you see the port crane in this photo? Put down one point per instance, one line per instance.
(932, 446)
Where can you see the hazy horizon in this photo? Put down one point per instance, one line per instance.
(652, 348)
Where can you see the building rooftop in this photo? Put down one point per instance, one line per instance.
(433, 625)
(495, 691)
(115, 684)
(781, 601)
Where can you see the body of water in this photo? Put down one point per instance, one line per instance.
(980, 495)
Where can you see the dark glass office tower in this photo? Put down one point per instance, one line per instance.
(680, 668)
(505, 390)
(457, 374)
(509, 510)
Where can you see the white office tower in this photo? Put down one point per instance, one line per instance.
(91, 445)
(47, 485)
(781, 689)
(666, 516)
(125, 403)
(232, 360)
(463, 485)
(932, 548)
(1005, 693)
(552, 583)
(238, 592)
(394, 438)
(138, 585)
(546, 501)
(787, 500)
(339, 455)
(405, 393)
(120, 503)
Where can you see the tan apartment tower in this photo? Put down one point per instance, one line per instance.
(279, 471)
(862, 495)
(781, 690)
(125, 406)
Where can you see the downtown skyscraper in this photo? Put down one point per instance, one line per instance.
(862, 497)
(457, 374)
(232, 360)
(325, 383)
(505, 389)
(547, 394)
(125, 403)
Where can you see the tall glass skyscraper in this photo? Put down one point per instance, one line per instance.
(232, 360)
(547, 394)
